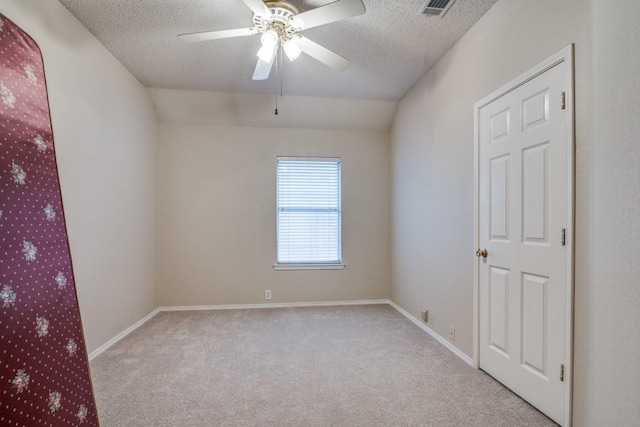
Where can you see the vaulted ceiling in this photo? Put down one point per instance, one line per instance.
(390, 47)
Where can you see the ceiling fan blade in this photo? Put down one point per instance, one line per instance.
(258, 7)
(214, 35)
(331, 12)
(263, 69)
(321, 53)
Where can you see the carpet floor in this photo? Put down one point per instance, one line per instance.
(315, 366)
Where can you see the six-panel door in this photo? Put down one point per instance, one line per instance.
(522, 214)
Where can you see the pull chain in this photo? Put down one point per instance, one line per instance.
(280, 72)
(276, 112)
(281, 69)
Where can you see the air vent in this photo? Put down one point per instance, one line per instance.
(436, 7)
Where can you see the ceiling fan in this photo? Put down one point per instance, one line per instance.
(279, 23)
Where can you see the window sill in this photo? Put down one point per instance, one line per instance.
(282, 267)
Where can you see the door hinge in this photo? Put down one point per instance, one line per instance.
(563, 100)
(562, 372)
(563, 237)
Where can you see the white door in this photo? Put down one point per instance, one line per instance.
(523, 205)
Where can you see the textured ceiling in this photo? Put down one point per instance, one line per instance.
(390, 46)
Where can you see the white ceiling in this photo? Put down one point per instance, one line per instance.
(390, 46)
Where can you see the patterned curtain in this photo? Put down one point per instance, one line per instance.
(44, 370)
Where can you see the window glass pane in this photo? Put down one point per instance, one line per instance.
(308, 211)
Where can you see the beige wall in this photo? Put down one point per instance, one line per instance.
(218, 226)
(432, 152)
(608, 322)
(105, 135)
(257, 110)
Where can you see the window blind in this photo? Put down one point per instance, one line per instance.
(308, 211)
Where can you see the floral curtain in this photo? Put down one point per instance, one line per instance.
(44, 370)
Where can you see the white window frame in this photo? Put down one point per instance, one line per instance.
(310, 266)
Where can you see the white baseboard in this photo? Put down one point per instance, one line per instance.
(272, 305)
(431, 332)
(98, 351)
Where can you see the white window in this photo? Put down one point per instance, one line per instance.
(308, 211)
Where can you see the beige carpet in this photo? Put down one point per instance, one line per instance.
(326, 366)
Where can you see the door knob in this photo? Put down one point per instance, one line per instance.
(482, 253)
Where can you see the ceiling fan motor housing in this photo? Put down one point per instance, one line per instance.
(280, 21)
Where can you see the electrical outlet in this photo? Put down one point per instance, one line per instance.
(452, 333)
(425, 315)
(432, 318)
(267, 294)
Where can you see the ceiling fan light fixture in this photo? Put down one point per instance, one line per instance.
(292, 50)
(266, 53)
(269, 39)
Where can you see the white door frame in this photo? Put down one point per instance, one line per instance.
(565, 55)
